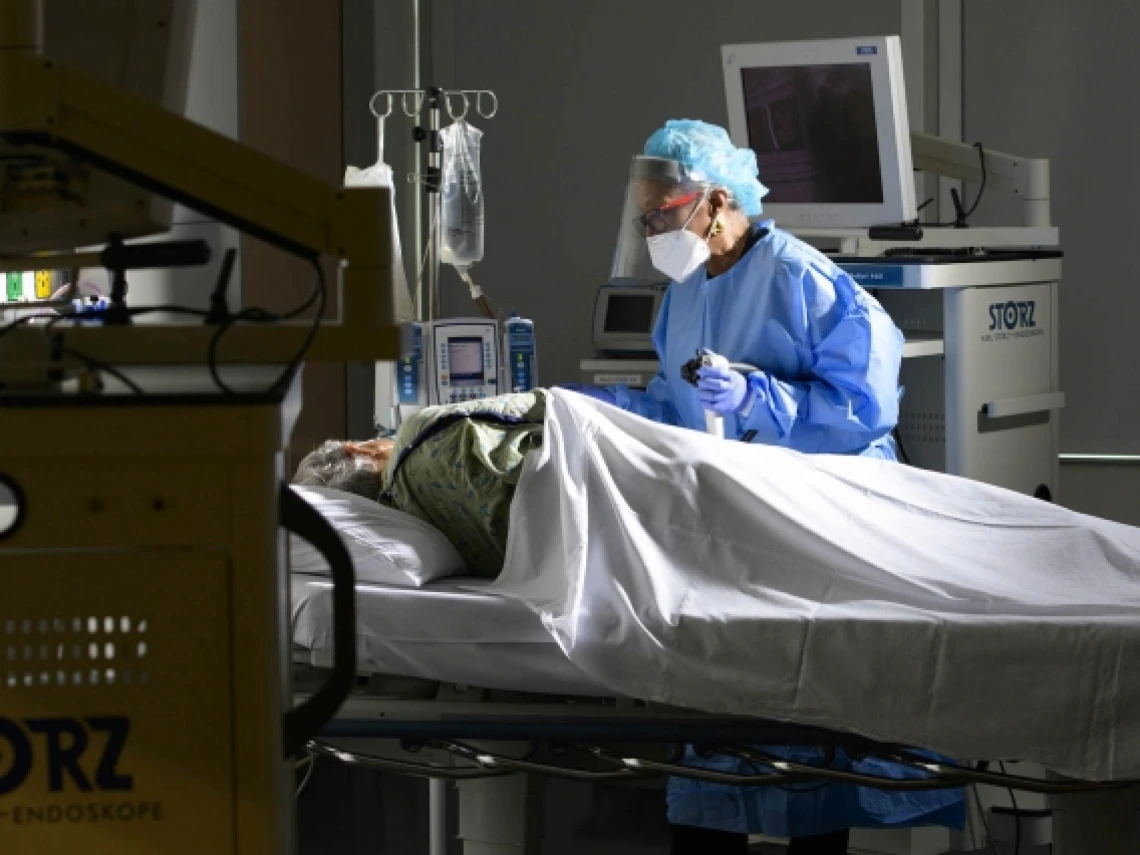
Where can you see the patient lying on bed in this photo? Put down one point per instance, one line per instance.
(453, 466)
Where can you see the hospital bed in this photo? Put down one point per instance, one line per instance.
(458, 684)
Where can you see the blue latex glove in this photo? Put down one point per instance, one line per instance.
(601, 393)
(722, 390)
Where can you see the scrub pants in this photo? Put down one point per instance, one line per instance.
(704, 841)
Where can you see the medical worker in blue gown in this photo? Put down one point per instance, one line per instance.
(828, 360)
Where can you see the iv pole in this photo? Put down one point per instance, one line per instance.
(433, 181)
(437, 788)
(431, 178)
(431, 175)
(418, 210)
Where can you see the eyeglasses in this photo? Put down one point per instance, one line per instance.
(655, 222)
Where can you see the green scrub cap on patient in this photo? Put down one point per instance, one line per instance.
(709, 156)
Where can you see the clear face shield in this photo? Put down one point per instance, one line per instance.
(656, 201)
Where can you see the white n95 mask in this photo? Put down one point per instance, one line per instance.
(677, 254)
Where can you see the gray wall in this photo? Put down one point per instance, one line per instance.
(1108, 490)
(1053, 78)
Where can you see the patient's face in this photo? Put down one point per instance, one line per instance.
(379, 451)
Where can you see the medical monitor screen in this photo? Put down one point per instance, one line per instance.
(813, 130)
(629, 313)
(465, 357)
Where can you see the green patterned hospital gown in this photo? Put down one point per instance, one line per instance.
(456, 467)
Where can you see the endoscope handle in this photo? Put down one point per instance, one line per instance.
(714, 423)
(304, 722)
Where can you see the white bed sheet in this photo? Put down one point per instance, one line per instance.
(448, 631)
(847, 593)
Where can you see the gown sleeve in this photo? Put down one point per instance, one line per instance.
(854, 351)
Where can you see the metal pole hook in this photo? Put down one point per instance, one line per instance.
(451, 112)
(372, 105)
(479, 103)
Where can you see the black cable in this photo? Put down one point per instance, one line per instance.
(261, 316)
(93, 364)
(251, 315)
(291, 370)
(212, 353)
(219, 308)
(8, 327)
(1016, 816)
(982, 189)
(899, 443)
(985, 822)
(57, 346)
(308, 774)
(965, 215)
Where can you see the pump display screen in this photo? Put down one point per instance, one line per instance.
(465, 358)
(814, 133)
(629, 313)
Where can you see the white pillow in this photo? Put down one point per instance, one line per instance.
(388, 547)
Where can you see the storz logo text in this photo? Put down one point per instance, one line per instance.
(1013, 319)
(72, 756)
(1012, 315)
(866, 50)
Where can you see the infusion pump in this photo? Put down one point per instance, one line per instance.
(466, 359)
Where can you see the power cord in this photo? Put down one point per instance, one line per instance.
(260, 316)
(902, 448)
(312, 764)
(19, 322)
(218, 313)
(287, 376)
(981, 189)
(256, 315)
(1016, 816)
(219, 308)
(985, 822)
(58, 348)
(960, 215)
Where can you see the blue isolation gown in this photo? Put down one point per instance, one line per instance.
(828, 353)
(829, 358)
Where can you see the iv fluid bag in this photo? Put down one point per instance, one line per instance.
(462, 196)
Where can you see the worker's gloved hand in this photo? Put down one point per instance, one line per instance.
(722, 390)
(601, 393)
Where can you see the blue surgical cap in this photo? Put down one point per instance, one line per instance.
(710, 157)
